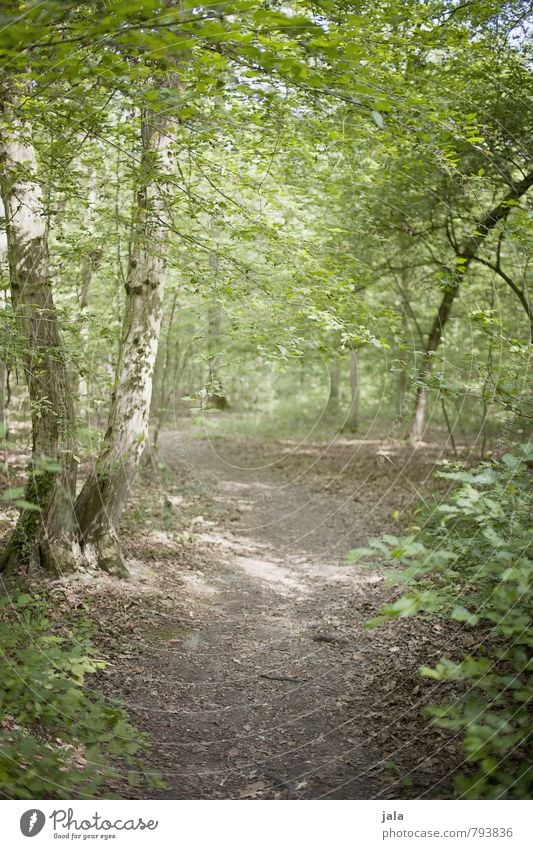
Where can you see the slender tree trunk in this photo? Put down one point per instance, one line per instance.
(352, 419)
(401, 389)
(216, 394)
(403, 372)
(3, 428)
(334, 372)
(104, 494)
(4, 341)
(43, 536)
(434, 339)
(464, 257)
(448, 425)
(488, 376)
(87, 269)
(167, 383)
(90, 260)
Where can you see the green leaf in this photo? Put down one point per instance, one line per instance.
(461, 614)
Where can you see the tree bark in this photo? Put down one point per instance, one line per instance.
(104, 494)
(464, 257)
(43, 536)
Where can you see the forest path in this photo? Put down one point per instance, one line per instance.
(263, 682)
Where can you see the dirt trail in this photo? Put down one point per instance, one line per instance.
(263, 681)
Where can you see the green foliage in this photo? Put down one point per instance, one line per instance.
(57, 738)
(471, 563)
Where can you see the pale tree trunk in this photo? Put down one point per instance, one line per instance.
(105, 492)
(402, 386)
(352, 419)
(403, 371)
(418, 425)
(43, 537)
(464, 257)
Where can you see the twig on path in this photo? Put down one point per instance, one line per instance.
(274, 677)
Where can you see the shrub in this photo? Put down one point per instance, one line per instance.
(57, 738)
(471, 563)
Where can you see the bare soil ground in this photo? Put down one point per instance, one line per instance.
(240, 644)
(260, 679)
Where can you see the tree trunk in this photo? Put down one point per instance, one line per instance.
(332, 405)
(4, 343)
(352, 420)
(419, 419)
(90, 260)
(3, 428)
(104, 494)
(44, 536)
(167, 381)
(464, 257)
(421, 399)
(402, 387)
(216, 395)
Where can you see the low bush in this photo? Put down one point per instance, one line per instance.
(471, 562)
(57, 738)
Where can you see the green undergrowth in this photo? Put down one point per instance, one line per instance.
(58, 738)
(471, 563)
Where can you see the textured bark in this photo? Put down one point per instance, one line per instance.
(105, 492)
(464, 257)
(45, 537)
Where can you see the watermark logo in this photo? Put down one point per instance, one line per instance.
(32, 822)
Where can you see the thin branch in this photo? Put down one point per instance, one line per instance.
(510, 282)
